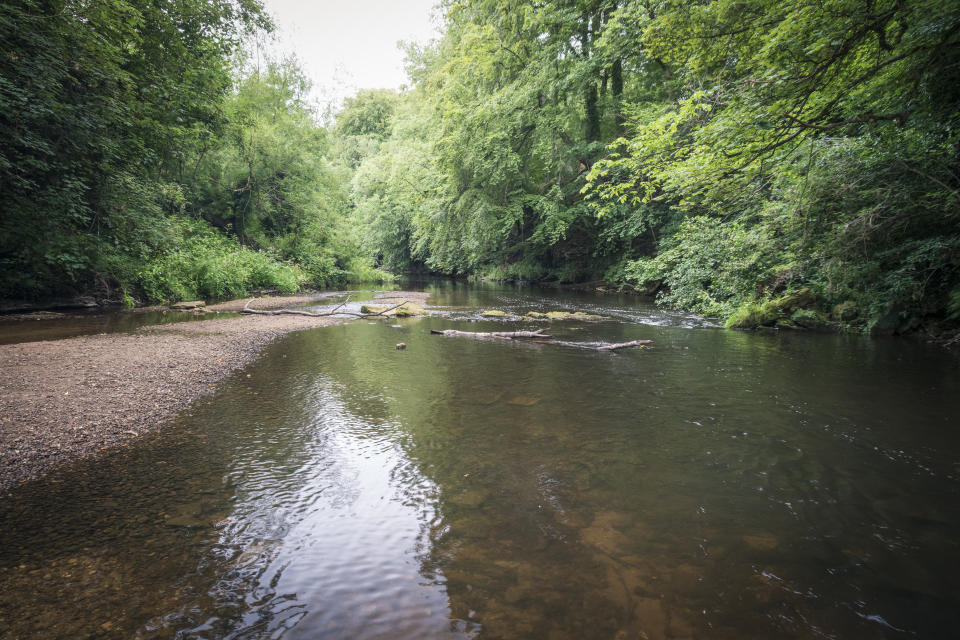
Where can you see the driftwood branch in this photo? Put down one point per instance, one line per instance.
(508, 335)
(294, 312)
(340, 305)
(598, 346)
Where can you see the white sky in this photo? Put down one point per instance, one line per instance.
(346, 45)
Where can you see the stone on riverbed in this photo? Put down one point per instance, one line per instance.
(494, 313)
(192, 515)
(573, 315)
(188, 305)
(407, 310)
(761, 540)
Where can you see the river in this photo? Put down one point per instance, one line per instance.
(721, 485)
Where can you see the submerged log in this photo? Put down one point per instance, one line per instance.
(508, 335)
(598, 346)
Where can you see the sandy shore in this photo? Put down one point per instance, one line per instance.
(65, 399)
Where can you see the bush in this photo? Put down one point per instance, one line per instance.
(207, 265)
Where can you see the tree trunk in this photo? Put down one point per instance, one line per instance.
(616, 90)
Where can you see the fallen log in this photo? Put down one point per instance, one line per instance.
(598, 346)
(294, 312)
(510, 335)
(507, 335)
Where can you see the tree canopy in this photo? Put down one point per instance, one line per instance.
(719, 154)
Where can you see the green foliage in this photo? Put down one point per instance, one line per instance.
(99, 103)
(367, 114)
(271, 181)
(485, 158)
(122, 120)
(721, 154)
(707, 266)
(814, 145)
(205, 264)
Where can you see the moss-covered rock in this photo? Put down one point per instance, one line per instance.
(409, 310)
(751, 316)
(406, 310)
(573, 315)
(494, 313)
(536, 314)
(777, 312)
(791, 302)
(845, 311)
(808, 319)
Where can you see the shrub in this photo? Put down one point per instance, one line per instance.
(208, 265)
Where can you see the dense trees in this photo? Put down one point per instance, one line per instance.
(815, 146)
(99, 104)
(143, 157)
(719, 153)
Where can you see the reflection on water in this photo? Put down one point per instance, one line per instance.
(56, 326)
(720, 485)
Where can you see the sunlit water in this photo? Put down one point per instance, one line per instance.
(720, 485)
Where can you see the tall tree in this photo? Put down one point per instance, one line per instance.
(99, 102)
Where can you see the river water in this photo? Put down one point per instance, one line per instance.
(721, 484)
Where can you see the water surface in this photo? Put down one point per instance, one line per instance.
(720, 485)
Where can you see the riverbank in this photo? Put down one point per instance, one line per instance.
(62, 400)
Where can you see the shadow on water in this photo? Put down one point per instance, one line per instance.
(720, 485)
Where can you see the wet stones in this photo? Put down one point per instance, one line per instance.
(471, 499)
(574, 315)
(188, 305)
(407, 310)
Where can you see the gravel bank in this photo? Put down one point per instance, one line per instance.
(64, 399)
(276, 302)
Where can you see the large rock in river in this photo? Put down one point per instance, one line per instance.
(573, 315)
(406, 310)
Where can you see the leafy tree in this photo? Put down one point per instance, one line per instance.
(824, 132)
(367, 114)
(98, 101)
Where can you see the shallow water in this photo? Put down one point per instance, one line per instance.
(47, 325)
(720, 485)
(57, 326)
